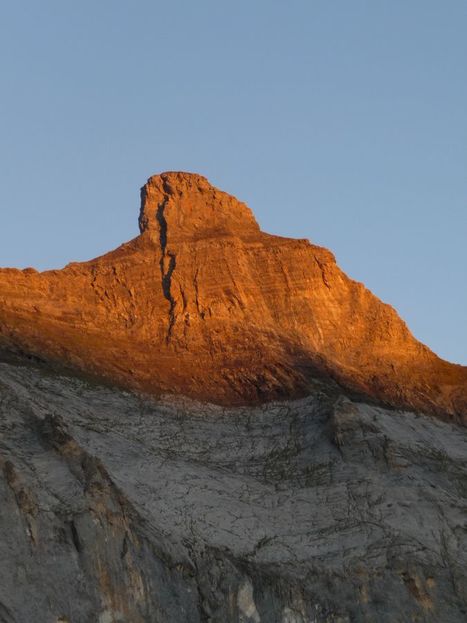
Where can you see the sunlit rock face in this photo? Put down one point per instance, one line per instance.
(213, 424)
(204, 304)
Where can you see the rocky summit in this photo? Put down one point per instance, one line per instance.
(211, 424)
(204, 304)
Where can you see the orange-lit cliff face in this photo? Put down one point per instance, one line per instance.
(204, 304)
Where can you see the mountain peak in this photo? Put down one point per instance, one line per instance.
(204, 304)
(188, 205)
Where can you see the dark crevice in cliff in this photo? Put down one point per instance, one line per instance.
(75, 537)
(323, 273)
(167, 263)
(5, 614)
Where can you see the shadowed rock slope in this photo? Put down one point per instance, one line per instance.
(121, 509)
(299, 497)
(202, 303)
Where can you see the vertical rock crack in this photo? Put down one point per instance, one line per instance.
(167, 263)
(323, 273)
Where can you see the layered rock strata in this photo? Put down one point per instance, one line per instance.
(119, 509)
(202, 303)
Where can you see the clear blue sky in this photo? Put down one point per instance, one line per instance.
(341, 121)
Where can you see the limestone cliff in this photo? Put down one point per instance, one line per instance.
(300, 497)
(116, 508)
(202, 303)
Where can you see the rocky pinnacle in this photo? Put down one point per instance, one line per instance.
(203, 303)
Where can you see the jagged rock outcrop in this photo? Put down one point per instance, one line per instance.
(314, 490)
(204, 304)
(116, 508)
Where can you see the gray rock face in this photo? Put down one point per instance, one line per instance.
(115, 508)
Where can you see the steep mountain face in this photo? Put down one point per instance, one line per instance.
(120, 509)
(314, 490)
(204, 304)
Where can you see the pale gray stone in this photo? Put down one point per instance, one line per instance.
(117, 508)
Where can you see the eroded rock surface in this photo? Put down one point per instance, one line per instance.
(204, 304)
(117, 508)
(122, 507)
